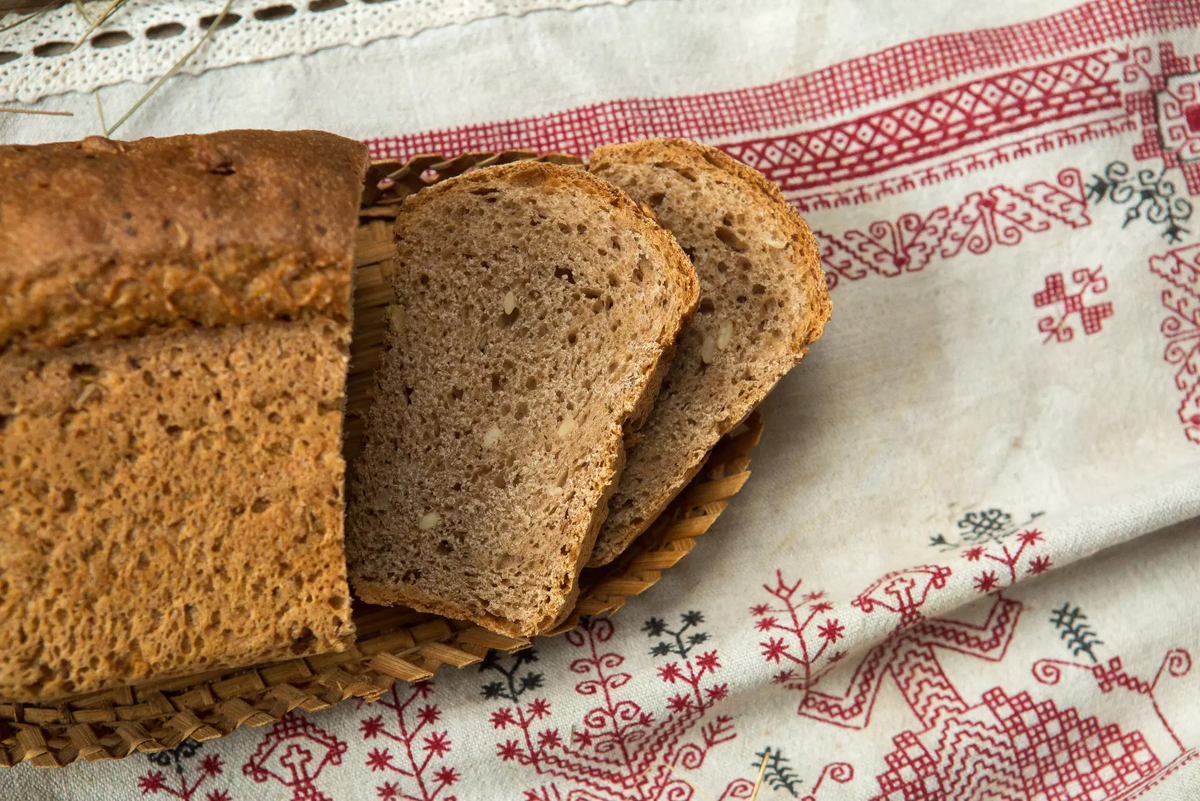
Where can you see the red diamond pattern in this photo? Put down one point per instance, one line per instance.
(938, 123)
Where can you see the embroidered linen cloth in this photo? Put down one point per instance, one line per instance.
(966, 564)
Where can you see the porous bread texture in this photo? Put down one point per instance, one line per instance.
(171, 480)
(763, 301)
(171, 504)
(536, 308)
(101, 238)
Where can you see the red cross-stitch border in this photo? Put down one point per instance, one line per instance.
(823, 93)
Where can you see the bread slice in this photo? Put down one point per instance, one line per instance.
(173, 354)
(763, 300)
(535, 314)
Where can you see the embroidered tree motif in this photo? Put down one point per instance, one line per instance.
(621, 750)
(294, 753)
(1001, 745)
(155, 783)
(675, 644)
(418, 743)
(1055, 326)
(777, 773)
(907, 654)
(1010, 560)
(1148, 197)
(512, 687)
(1075, 630)
(984, 525)
(812, 632)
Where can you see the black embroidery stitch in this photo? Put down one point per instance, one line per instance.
(1075, 630)
(779, 774)
(984, 525)
(675, 644)
(512, 687)
(1150, 197)
(173, 757)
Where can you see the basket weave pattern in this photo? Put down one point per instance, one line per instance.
(394, 644)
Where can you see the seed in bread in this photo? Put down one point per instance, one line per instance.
(763, 301)
(173, 355)
(540, 306)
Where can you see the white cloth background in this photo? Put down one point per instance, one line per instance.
(932, 407)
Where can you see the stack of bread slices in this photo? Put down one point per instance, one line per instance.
(565, 348)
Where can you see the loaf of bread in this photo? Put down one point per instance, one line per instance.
(535, 315)
(174, 335)
(763, 300)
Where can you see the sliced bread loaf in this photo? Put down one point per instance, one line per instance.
(536, 308)
(173, 350)
(763, 300)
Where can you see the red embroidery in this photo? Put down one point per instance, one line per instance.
(1013, 748)
(1180, 268)
(294, 753)
(1056, 327)
(1000, 215)
(838, 89)
(934, 125)
(620, 750)
(154, 782)
(1010, 150)
(1166, 108)
(419, 746)
(1110, 676)
(1006, 747)
(988, 581)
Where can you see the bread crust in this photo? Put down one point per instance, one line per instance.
(101, 239)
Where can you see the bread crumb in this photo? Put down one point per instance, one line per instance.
(491, 437)
(725, 335)
(429, 521)
(566, 427)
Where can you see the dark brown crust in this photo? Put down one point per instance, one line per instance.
(537, 173)
(101, 239)
(684, 154)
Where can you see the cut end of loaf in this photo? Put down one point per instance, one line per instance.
(177, 506)
(173, 357)
(534, 306)
(763, 301)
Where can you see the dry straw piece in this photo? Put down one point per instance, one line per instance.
(394, 644)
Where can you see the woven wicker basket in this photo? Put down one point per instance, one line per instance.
(393, 643)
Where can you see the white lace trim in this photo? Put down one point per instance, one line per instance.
(145, 37)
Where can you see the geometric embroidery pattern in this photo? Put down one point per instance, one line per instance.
(1055, 326)
(1014, 748)
(1167, 109)
(294, 753)
(1180, 268)
(933, 125)
(788, 104)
